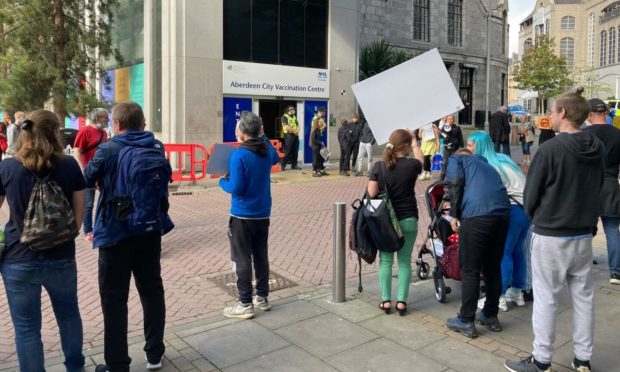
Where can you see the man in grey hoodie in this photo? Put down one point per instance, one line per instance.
(561, 198)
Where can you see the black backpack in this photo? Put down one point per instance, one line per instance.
(359, 240)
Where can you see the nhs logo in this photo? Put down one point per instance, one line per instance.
(322, 76)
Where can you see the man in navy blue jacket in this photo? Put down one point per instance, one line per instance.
(480, 202)
(123, 252)
(249, 183)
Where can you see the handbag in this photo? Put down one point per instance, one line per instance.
(383, 227)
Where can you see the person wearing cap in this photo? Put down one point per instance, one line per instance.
(290, 128)
(610, 192)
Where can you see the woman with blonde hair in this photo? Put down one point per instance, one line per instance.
(24, 270)
(398, 172)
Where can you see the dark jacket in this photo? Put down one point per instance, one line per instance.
(102, 168)
(453, 138)
(316, 138)
(499, 127)
(562, 191)
(610, 193)
(475, 188)
(346, 135)
(355, 132)
(366, 135)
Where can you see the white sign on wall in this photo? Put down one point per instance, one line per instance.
(258, 79)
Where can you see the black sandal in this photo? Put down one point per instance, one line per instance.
(387, 310)
(402, 311)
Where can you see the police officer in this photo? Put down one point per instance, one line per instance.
(290, 128)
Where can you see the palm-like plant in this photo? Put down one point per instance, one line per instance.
(379, 56)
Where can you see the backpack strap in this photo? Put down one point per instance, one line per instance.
(359, 284)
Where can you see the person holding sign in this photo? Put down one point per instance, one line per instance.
(546, 131)
(429, 136)
(452, 141)
(290, 127)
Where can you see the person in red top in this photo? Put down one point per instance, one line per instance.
(86, 143)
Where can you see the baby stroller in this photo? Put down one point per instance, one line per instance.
(441, 242)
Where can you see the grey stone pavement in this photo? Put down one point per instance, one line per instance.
(305, 331)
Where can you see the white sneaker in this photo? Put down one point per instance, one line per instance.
(515, 297)
(429, 176)
(503, 306)
(422, 177)
(153, 366)
(239, 311)
(261, 303)
(481, 303)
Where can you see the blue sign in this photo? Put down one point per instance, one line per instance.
(232, 109)
(310, 109)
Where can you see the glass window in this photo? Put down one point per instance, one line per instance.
(421, 20)
(612, 46)
(527, 44)
(288, 32)
(603, 52)
(567, 51)
(455, 17)
(128, 34)
(567, 23)
(591, 35)
(547, 26)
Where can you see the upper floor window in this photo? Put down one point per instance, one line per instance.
(567, 23)
(527, 44)
(567, 51)
(421, 20)
(287, 32)
(603, 52)
(455, 22)
(547, 26)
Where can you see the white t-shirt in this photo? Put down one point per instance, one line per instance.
(515, 183)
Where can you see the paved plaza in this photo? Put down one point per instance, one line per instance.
(304, 331)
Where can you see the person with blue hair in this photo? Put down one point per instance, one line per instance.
(514, 267)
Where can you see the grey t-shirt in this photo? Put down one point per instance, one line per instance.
(12, 133)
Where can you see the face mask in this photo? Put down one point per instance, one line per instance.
(99, 126)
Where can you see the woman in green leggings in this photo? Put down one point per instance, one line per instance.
(398, 172)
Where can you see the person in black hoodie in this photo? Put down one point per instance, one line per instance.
(561, 198)
(345, 139)
(452, 141)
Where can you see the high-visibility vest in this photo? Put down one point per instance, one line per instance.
(291, 120)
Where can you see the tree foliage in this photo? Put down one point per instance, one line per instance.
(541, 71)
(52, 49)
(379, 56)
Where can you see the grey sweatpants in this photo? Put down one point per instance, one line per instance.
(557, 262)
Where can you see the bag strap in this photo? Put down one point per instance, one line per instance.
(359, 283)
(384, 180)
(515, 200)
(95, 146)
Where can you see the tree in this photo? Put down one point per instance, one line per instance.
(379, 56)
(541, 71)
(52, 49)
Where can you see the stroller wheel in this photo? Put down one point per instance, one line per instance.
(423, 270)
(440, 290)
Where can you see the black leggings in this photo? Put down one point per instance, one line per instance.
(317, 159)
(427, 163)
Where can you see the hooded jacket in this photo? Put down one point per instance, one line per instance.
(249, 180)
(563, 187)
(102, 168)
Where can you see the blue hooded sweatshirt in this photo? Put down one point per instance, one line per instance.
(108, 231)
(249, 180)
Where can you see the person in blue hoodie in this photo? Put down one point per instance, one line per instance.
(480, 211)
(249, 183)
(123, 252)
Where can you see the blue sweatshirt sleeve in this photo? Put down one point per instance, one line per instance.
(235, 183)
(455, 178)
(95, 169)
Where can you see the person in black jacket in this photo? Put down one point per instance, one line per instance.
(499, 130)
(355, 144)
(316, 143)
(562, 199)
(345, 139)
(452, 141)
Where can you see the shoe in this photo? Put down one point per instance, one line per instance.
(614, 279)
(323, 173)
(481, 302)
(282, 168)
(153, 366)
(359, 174)
(261, 303)
(239, 311)
(316, 174)
(89, 237)
(491, 322)
(526, 365)
(296, 167)
(514, 297)
(346, 174)
(528, 296)
(382, 306)
(581, 366)
(422, 176)
(503, 306)
(101, 368)
(465, 328)
(401, 311)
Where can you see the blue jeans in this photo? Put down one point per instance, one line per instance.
(612, 234)
(525, 147)
(514, 265)
(87, 223)
(23, 283)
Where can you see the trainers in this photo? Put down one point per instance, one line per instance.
(358, 174)
(491, 322)
(101, 368)
(296, 167)
(261, 303)
(89, 237)
(323, 173)
(316, 174)
(614, 279)
(515, 297)
(465, 328)
(428, 176)
(503, 306)
(580, 365)
(239, 311)
(528, 364)
(153, 366)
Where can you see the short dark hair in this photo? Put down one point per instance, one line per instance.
(576, 107)
(129, 115)
(250, 124)
(320, 109)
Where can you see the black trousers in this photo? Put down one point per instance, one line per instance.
(317, 159)
(481, 248)
(345, 157)
(444, 165)
(139, 256)
(291, 149)
(355, 148)
(427, 163)
(248, 246)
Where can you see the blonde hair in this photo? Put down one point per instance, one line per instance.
(38, 143)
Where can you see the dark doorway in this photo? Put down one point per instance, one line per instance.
(465, 91)
(271, 111)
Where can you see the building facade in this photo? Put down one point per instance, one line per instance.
(195, 64)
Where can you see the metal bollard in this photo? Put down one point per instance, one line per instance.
(339, 264)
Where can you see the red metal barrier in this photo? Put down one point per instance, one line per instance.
(177, 155)
(275, 143)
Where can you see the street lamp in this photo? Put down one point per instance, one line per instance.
(486, 92)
